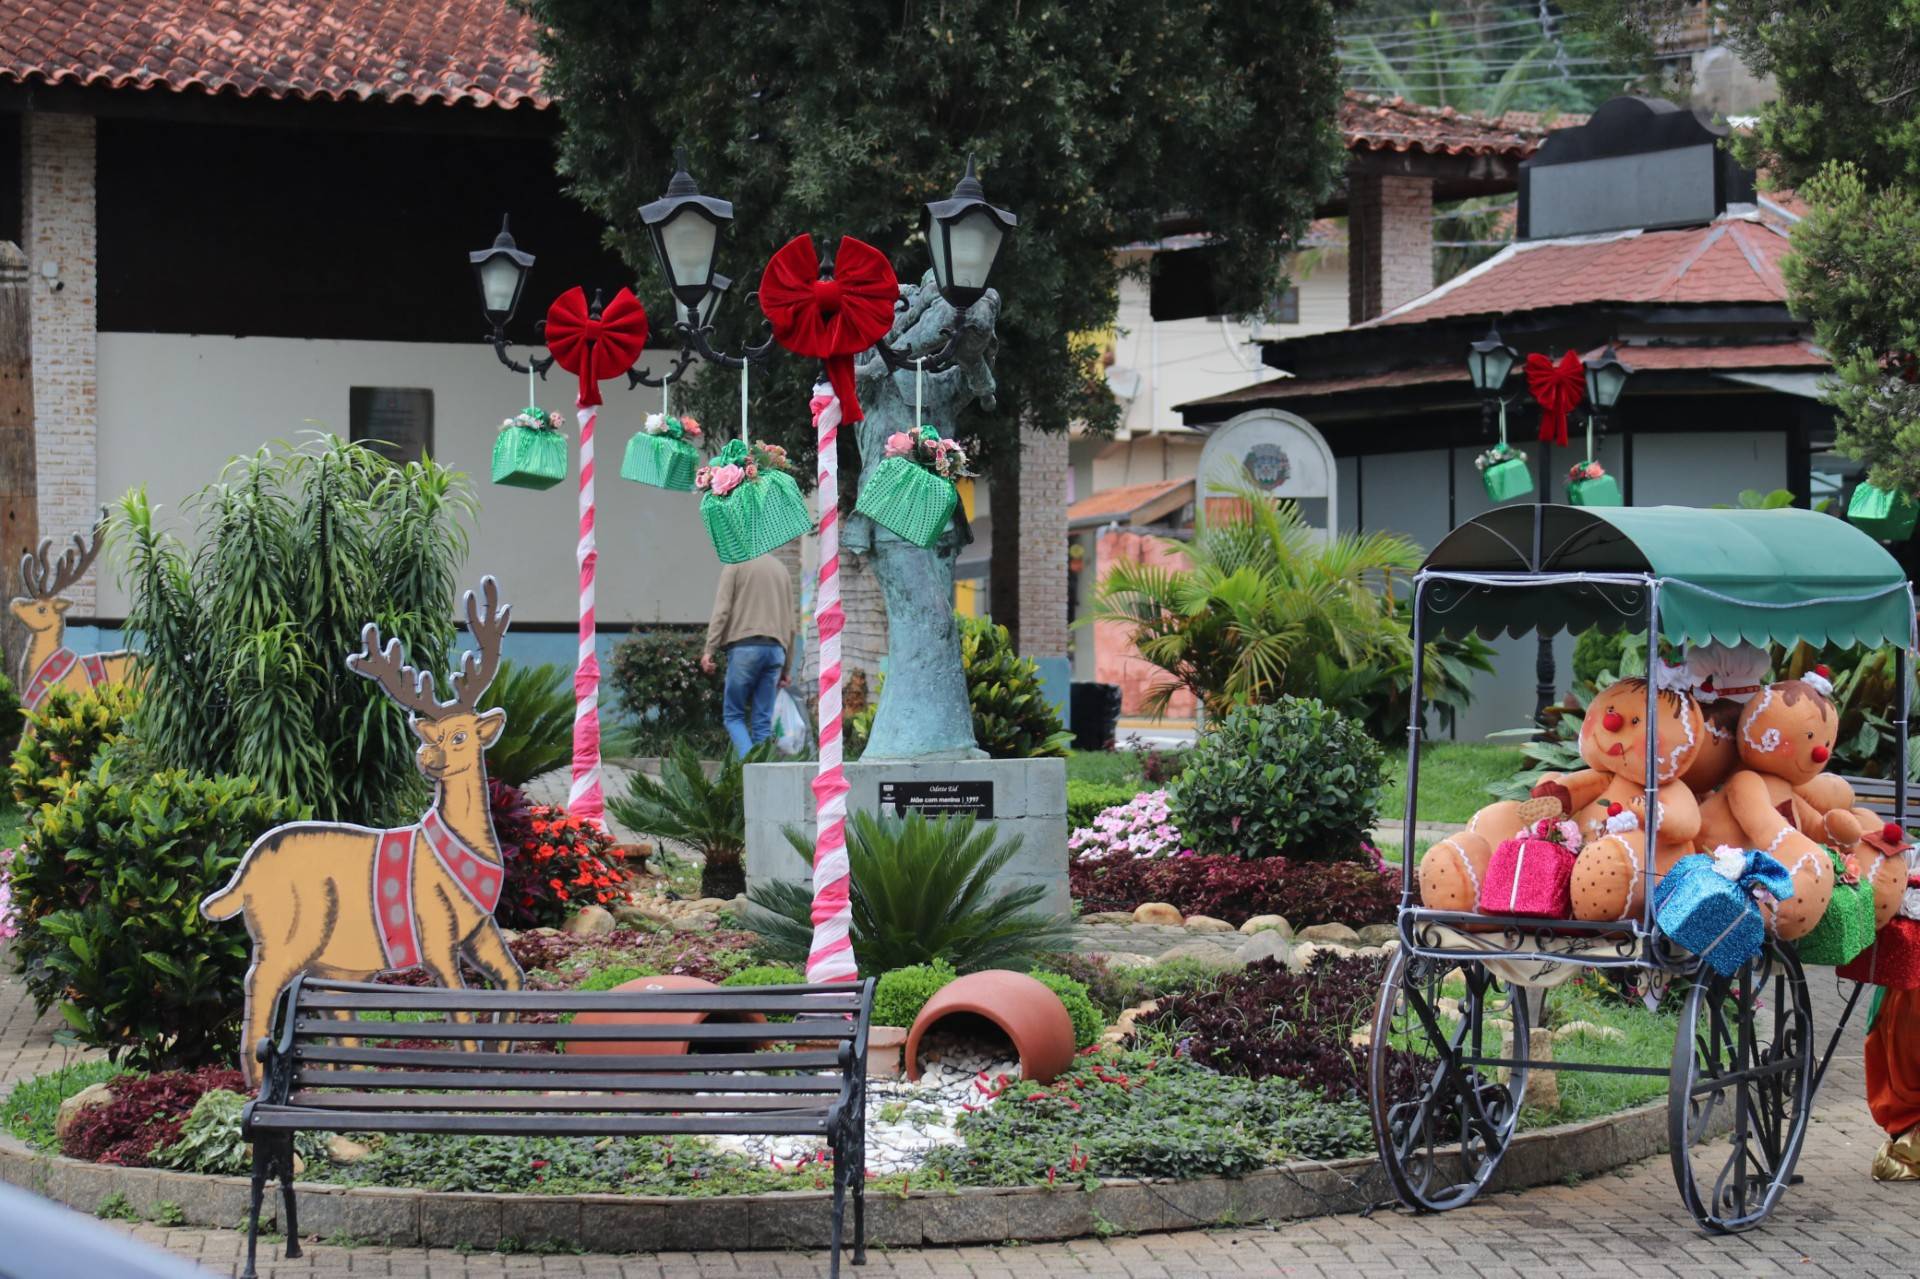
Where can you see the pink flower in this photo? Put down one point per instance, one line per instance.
(899, 444)
(690, 426)
(753, 472)
(727, 478)
(703, 477)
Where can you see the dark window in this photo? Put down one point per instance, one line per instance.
(1284, 308)
(397, 420)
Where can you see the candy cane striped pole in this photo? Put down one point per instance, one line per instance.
(585, 801)
(831, 957)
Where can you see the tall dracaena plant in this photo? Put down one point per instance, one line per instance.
(244, 635)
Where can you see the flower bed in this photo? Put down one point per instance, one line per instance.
(1235, 890)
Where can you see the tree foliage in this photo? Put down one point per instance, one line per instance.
(1093, 120)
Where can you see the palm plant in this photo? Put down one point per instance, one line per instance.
(922, 890)
(539, 733)
(1264, 606)
(243, 636)
(707, 814)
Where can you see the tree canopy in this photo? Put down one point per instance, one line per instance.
(1097, 121)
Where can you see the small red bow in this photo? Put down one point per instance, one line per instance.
(832, 320)
(596, 349)
(1558, 388)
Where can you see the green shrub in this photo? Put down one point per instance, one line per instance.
(1115, 988)
(1291, 777)
(538, 736)
(709, 815)
(109, 882)
(1087, 1021)
(1595, 653)
(210, 1140)
(1087, 800)
(618, 975)
(64, 734)
(1012, 718)
(923, 889)
(244, 635)
(766, 975)
(10, 716)
(658, 682)
(899, 995)
(34, 1104)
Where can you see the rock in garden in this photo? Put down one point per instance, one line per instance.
(85, 1099)
(1269, 943)
(1121, 958)
(1208, 924)
(1265, 923)
(345, 1150)
(591, 921)
(1378, 934)
(712, 905)
(697, 922)
(1156, 913)
(1124, 1022)
(1302, 954)
(1204, 951)
(508, 936)
(1593, 1029)
(1339, 934)
(1108, 917)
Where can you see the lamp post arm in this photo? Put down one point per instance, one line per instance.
(498, 341)
(697, 339)
(636, 377)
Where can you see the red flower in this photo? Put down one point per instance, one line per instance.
(555, 884)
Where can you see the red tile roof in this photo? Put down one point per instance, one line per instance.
(1294, 388)
(1393, 124)
(1131, 502)
(1719, 359)
(479, 52)
(1732, 260)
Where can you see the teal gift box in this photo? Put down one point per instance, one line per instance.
(1883, 513)
(1584, 488)
(1506, 479)
(530, 452)
(662, 458)
(908, 499)
(1713, 913)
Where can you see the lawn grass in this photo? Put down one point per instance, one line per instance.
(1454, 777)
(34, 1104)
(1109, 768)
(12, 821)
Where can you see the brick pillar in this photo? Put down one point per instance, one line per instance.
(1390, 243)
(60, 232)
(1042, 567)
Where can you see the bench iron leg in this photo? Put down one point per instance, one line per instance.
(857, 1174)
(286, 1194)
(261, 1160)
(839, 1206)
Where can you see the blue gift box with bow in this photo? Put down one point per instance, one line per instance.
(1705, 903)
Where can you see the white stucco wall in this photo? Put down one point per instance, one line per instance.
(173, 409)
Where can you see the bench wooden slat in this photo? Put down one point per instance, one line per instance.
(292, 1119)
(543, 1103)
(600, 1063)
(531, 1081)
(703, 1032)
(313, 987)
(838, 1004)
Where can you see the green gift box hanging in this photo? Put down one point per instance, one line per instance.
(905, 497)
(660, 454)
(531, 451)
(1846, 928)
(1883, 513)
(751, 516)
(1503, 472)
(1589, 485)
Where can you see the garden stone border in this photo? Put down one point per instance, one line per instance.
(610, 1223)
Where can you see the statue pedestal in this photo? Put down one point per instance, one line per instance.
(1026, 797)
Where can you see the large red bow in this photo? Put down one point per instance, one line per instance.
(1558, 388)
(832, 320)
(596, 349)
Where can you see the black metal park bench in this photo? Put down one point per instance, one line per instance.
(328, 1068)
(1876, 794)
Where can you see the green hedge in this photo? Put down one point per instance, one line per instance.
(1087, 800)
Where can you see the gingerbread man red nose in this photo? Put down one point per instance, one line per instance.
(1820, 754)
(1614, 721)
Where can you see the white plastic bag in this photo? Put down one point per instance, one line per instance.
(790, 733)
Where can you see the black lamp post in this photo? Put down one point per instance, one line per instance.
(1488, 362)
(964, 235)
(1606, 378)
(501, 271)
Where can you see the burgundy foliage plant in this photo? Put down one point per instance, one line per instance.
(1235, 890)
(145, 1114)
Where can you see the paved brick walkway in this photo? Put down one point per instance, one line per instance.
(1627, 1224)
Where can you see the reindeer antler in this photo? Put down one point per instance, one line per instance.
(387, 667)
(34, 571)
(43, 578)
(489, 627)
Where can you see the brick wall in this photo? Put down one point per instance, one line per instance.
(59, 230)
(1042, 570)
(1390, 235)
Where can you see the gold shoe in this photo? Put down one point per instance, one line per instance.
(1898, 1158)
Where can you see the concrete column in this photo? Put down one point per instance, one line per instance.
(1044, 467)
(1390, 243)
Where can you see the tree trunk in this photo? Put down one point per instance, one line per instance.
(19, 484)
(1003, 577)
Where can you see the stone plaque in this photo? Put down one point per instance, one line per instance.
(938, 799)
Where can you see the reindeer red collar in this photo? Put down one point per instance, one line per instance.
(42, 607)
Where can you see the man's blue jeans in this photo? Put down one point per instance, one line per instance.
(753, 680)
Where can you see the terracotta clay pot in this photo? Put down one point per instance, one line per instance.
(653, 1047)
(1024, 1010)
(883, 1051)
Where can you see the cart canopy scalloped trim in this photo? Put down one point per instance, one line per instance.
(1729, 575)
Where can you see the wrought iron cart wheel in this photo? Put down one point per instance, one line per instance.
(1741, 1090)
(1442, 1119)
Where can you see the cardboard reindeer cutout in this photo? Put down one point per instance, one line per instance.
(349, 902)
(42, 609)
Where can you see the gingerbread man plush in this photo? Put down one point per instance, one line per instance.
(1724, 678)
(1783, 802)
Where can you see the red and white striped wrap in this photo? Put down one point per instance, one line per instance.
(831, 957)
(585, 800)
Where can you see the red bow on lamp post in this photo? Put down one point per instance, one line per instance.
(596, 348)
(830, 319)
(1558, 388)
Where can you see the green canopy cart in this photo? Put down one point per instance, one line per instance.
(1446, 1090)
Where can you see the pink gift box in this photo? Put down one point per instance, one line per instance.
(1529, 877)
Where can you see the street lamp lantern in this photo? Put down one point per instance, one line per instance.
(1606, 378)
(501, 271)
(1489, 361)
(964, 235)
(685, 226)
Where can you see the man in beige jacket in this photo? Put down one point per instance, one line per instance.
(753, 625)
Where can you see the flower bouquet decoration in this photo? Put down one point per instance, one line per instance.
(662, 453)
(531, 451)
(1588, 484)
(751, 504)
(911, 492)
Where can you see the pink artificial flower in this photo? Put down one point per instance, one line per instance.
(703, 477)
(753, 471)
(899, 444)
(690, 426)
(727, 478)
